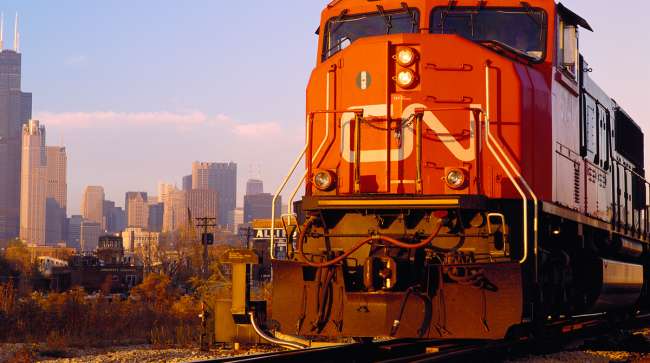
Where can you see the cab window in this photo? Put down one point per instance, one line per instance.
(346, 29)
(518, 30)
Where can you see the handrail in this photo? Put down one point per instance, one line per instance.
(279, 191)
(357, 153)
(488, 142)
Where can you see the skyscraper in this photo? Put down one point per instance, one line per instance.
(90, 232)
(114, 217)
(254, 186)
(156, 215)
(92, 204)
(33, 184)
(187, 183)
(222, 178)
(202, 203)
(74, 231)
(258, 206)
(137, 210)
(15, 110)
(57, 195)
(175, 209)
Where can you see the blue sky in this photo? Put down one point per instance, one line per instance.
(137, 90)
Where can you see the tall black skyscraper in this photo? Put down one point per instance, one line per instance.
(225, 183)
(15, 110)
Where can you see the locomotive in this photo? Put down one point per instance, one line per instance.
(465, 177)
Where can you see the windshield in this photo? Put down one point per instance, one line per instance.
(523, 30)
(344, 30)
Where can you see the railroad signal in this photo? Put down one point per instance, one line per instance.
(207, 239)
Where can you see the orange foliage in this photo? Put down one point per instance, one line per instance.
(156, 313)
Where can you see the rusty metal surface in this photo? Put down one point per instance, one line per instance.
(456, 311)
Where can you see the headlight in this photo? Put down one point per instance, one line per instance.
(456, 179)
(406, 57)
(405, 78)
(324, 180)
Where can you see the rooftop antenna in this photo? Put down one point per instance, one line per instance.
(16, 36)
(2, 31)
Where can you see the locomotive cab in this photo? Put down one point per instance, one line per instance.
(436, 187)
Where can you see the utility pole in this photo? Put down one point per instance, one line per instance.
(206, 239)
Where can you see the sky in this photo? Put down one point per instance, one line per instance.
(138, 90)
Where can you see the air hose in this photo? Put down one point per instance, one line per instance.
(346, 254)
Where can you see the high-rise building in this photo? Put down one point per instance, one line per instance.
(90, 232)
(92, 204)
(258, 206)
(254, 186)
(57, 195)
(222, 178)
(15, 110)
(187, 183)
(114, 217)
(137, 210)
(74, 231)
(156, 215)
(236, 219)
(164, 189)
(202, 203)
(175, 210)
(33, 184)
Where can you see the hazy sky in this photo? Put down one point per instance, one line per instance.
(137, 90)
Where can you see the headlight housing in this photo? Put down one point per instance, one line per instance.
(324, 180)
(456, 179)
(406, 78)
(406, 57)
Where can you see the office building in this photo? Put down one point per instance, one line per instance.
(258, 206)
(15, 111)
(33, 184)
(57, 195)
(236, 219)
(137, 210)
(220, 177)
(254, 186)
(92, 205)
(90, 232)
(74, 232)
(144, 245)
(202, 203)
(114, 217)
(187, 183)
(175, 210)
(156, 215)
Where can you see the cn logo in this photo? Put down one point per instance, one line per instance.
(462, 153)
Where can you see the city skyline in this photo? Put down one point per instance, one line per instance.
(228, 106)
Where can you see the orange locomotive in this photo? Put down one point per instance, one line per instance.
(465, 177)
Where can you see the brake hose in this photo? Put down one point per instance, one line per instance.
(346, 254)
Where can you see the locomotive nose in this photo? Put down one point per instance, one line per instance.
(406, 116)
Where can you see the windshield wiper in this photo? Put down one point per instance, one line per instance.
(497, 45)
(414, 20)
(387, 18)
(531, 12)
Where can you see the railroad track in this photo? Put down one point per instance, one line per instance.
(411, 350)
(393, 351)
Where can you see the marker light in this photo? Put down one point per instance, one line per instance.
(324, 180)
(405, 78)
(456, 179)
(406, 57)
